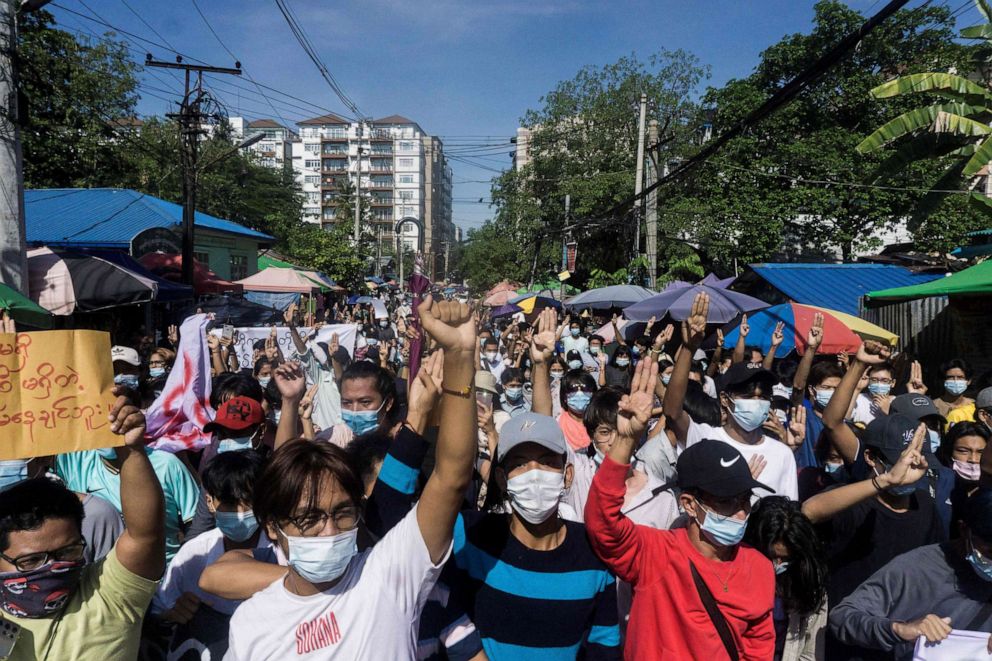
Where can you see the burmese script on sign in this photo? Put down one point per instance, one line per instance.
(55, 392)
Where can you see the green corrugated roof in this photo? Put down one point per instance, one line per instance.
(976, 280)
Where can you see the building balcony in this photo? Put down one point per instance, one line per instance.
(342, 153)
(382, 201)
(376, 183)
(329, 183)
(380, 135)
(334, 138)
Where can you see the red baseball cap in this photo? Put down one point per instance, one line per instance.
(237, 413)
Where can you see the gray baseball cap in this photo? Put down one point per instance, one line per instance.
(984, 399)
(530, 428)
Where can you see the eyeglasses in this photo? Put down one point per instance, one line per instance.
(312, 523)
(31, 561)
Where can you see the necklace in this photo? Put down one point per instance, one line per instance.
(724, 583)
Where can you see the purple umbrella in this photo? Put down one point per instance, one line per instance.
(677, 303)
(719, 283)
(505, 310)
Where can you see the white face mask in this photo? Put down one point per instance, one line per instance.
(535, 494)
(322, 559)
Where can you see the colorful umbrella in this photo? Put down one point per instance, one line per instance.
(170, 267)
(530, 303)
(505, 310)
(502, 297)
(863, 329)
(725, 305)
(22, 309)
(64, 282)
(797, 319)
(506, 285)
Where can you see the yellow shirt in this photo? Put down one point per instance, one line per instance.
(101, 622)
(964, 413)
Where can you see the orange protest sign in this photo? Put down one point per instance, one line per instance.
(55, 393)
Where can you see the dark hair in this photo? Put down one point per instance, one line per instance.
(883, 367)
(643, 341)
(958, 430)
(747, 388)
(749, 351)
(602, 409)
(702, 408)
(596, 338)
(573, 355)
(511, 374)
(620, 350)
(697, 367)
(296, 472)
(977, 513)
(260, 363)
(272, 395)
(785, 370)
(778, 519)
(234, 384)
(258, 345)
(490, 340)
(231, 476)
(28, 504)
(956, 363)
(823, 370)
(366, 451)
(569, 381)
(383, 381)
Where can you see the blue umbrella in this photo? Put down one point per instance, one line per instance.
(677, 303)
(713, 281)
(355, 299)
(604, 298)
(505, 310)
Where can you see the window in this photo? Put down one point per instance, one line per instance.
(311, 164)
(406, 146)
(405, 178)
(312, 179)
(239, 267)
(406, 194)
(311, 147)
(313, 197)
(203, 258)
(405, 162)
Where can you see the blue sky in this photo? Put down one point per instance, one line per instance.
(464, 70)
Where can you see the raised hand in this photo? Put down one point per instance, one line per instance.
(664, 336)
(773, 426)
(485, 417)
(872, 353)
(634, 410)
(912, 465)
(426, 388)
(290, 380)
(305, 408)
(756, 464)
(795, 432)
(745, 328)
(916, 385)
(450, 324)
(843, 359)
(213, 342)
(173, 335)
(289, 314)
(778, 335)
(815, 336)
(542, 343)
(719, 338)
(863, 381)
(127, 420)
(334, 344)
(694, 327)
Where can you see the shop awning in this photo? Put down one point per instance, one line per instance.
(973, 281)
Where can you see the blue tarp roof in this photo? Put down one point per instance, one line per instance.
(108, 217)
(836, 286)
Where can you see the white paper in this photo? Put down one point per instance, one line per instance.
(958, 646)
(246, 337)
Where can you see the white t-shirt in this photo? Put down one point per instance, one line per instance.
(780, 471)
(570, 343)
(372, 613)
(183, 573)
(865, 410)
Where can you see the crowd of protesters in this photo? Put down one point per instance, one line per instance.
(538, 488)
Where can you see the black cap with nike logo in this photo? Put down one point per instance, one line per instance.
(716, 468)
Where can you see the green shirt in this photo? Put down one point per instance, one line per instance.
(101, 622)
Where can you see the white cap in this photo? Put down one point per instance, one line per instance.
(125, 354)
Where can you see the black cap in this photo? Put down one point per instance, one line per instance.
(890, 434)
(716, 468)
(915, 406)
(740, 373)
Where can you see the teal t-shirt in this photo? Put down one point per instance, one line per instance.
(86, 472)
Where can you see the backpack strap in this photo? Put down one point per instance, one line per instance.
(713, 610)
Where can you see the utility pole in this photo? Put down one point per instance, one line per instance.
(564, 245)
(639, 174)
(378, 251)
(447, 249)
(191, 121)
(651, 214)
(13, 246)
(358, 187)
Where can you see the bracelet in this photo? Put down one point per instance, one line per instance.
(874, 483)
(465, 392)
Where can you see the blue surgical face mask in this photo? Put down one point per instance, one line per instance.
(623, 362)
(361, 422)
(882, 389)
(595, 349)
(635, 351)
(955, 386)
(12, 472)
(264, 381)
(722, 530)
(751, 413)
(556, 376)
(575, 364)
(513, 394)
(322, 559)
(823, 397)
(666, 378)
(578, 401)
(127, 380)
(156, 372)
(574, 332)
(236, 526)
(834, 470)
(236, 444)
(981, 565)
(934, 437)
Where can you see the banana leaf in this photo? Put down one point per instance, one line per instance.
(920, 147)
(950, 86)
(985, 8)
(980, 159)
(952, 116)
(983, 31)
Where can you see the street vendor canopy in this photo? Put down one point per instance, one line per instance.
(281, 280)
(973, 281)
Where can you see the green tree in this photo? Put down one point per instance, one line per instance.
(741, 203)
(74, 95)
(583, 144)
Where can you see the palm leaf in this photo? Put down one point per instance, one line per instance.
(948, 85)
(983, 31)
(985, 9)
(917, 148)
(951, 121)
(982, 202)
(981, 158)
(933, 199)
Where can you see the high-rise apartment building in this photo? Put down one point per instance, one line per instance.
(275, 149)
(402, 172)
